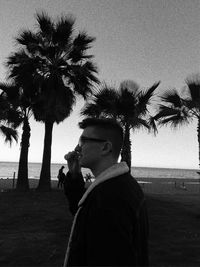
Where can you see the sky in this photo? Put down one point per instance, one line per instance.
(139, 40)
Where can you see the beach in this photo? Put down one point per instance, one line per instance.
(149, 185)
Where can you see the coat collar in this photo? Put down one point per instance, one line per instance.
(113, 171)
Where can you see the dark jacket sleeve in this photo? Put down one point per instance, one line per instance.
(74, 190)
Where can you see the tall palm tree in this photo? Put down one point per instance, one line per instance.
(21, 103)
(55, 60)
(7, 120)
(178, 109)
(128, 105)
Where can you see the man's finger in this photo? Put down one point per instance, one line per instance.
(70, 155)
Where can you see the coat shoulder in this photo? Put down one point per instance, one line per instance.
(121, 191)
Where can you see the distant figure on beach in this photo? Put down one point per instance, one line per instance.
(110, 226)
(61, 177)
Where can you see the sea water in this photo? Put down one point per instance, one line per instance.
(8, 169)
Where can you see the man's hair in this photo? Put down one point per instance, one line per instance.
(108, 129)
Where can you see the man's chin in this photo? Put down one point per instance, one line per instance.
(83, 164)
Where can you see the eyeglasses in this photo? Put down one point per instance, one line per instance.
(84, 139)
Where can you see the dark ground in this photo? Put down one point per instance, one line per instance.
(34, 229)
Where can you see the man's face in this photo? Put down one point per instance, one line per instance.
(90, 147)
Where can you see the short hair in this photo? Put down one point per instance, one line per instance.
(109, 129)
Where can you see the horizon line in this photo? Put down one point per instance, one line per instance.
(158, 167)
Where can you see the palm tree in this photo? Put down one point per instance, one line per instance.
(178, 109)
(7, 120)
(128, 105)
(55, 60)
(21, 104)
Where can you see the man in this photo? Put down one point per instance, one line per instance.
(110, 227)
(61, 177)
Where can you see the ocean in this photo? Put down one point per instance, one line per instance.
(7, 170)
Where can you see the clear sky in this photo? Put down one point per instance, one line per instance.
(145, 41)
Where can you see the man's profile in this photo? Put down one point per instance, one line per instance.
(110, 226)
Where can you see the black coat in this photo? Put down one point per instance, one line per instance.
(111, 227)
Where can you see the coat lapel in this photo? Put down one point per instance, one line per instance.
(115, 170)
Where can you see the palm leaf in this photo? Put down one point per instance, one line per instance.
(63, 31)
(45, 24)
(172, 97)
(8, 133)
(11, 90)
(4, 106)
(126, 105)
(105, 97)
(175, 121)
(192, 107)
(144, 98)
(153, 125)
(90, 110)
(17, 58)
(193, 84)
(173, 115)
(81, 43)
(130, 86)
(26, 38)
(165, 111)
(137, 123)
(102, 102)
(82, 77)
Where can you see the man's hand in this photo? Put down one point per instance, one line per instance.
(73, 162)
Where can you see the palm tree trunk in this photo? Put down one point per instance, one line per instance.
(126, 149)
(45, 174)
(22, 178)
(198, 135)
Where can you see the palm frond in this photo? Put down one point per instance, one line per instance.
(63, 31)
(172, 97)
(102, 102)
(165, 111)
(45, 24)
(26, 38)
(64, 103)
(14, 117)
(22, 68)
(17, 58)
(129, 85)
(90, 110)
(8, 133)
(173, 115)
(81, 43)
(82, 77)
(192, 107)
(193, 84)
(126, 104)
(139, 123)
(152, 124)
(175, 121)
(105, 97)
(11, 90)
(144, 98)
(4, 106)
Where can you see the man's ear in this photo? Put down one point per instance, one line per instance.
(107, 148)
